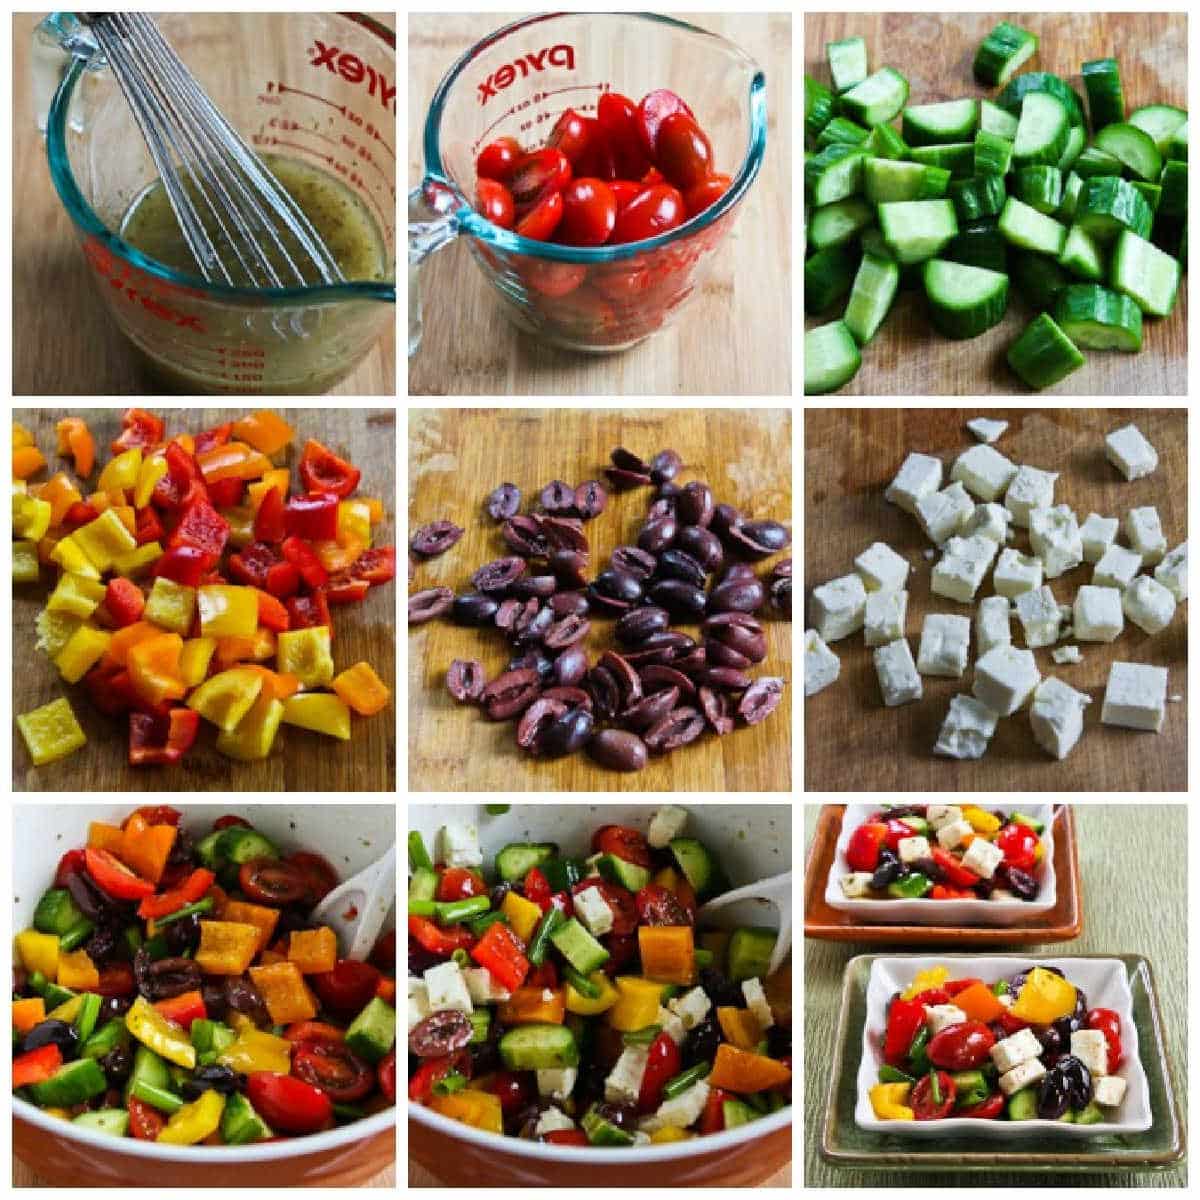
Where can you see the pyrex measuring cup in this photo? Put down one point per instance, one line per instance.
(517, 82)
(316, 87)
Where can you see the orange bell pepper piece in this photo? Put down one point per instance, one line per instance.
(231, 650)
(264, 919)
(335, 557)
(105, 837)
(284, 992)
(668, 953)
(979, 1003)
(529, 1006)
(233, 460)
(125, 639)
(313, 950)
(77, 971)
(281, 683)
(75, 438)
(739, 1071)
(740, 1026)
(375, 508)
(362, 689)
(28, 1013)
(60, 493)
(145, 848)
(27, 460)
(226, 947)
(154, 668)
(266, 431)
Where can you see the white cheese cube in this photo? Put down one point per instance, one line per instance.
(624, 1083)
(956, 832)
(1097, 533)
(592, 863)
(919, 475)
(1030, 489)
(838, 607)
(1128, 451)
(1022, 1076)
(1108, 1091)
(1172, 572)
(881, 568)
(447, 989)
(593, 912)
(1066, 654)
(883, 620)
(942, 1016)
(1097, 614)
(458, 845)
(1117, 568)
(691, 1008)
(945, 639)
(966, 731)
(680, 1111)
(942, 814)
(1144, 530)
(964, 563)
(985, 429)
(673, 1026)
(983, 857)
(821, 665)
(1005, 678)
(1148, 604)
(756, 1002)
(1135, 697)
(944, 513)
(992, 623)
(418, 1002)
(1040, 617)
(983, 471)
(990, 521)
(666, 825)
(1016, 573)
(1090, 1046)
(856, 884)
(1015, 1049)
(551, 1120)
(898, 679)
(484, 987)
(556, 1083)
(1055, 537)
(912, 849)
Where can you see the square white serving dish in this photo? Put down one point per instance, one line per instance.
(941, 912)
(1104, 984)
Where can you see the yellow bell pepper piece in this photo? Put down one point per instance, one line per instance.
(354, 522)
(228, 611)
(77, 595)
(156, 1033)
(1044, 997)
(888, 1101)
(322, 712)
(284, 992)
(523, 915)
(307, 654)
(924, 981)
(669, 1133)
(69, 555)
(51, 732)
(105, 539)
(38, 952)
(255, 1050)
(30, 517)
(170, 606)
(585, 1006)
(123, 473)
(480, 1110)
(149, 473)
(54, 631)
(241, 525)
(138, 561)
(980, 820)
(67, 1011)
(84, 649)
(226, 947)
(76, 970)
(255, 733)
(226, 698)
(637, 1003)
(276, 480)
(21, 436)
(194, 659)
(668, 878)
(26, 567)
(196, 1121)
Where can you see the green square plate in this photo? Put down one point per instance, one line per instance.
(844, 1144)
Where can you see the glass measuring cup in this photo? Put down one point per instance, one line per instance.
(517, 82)
(316, 87)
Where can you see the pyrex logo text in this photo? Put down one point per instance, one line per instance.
(551, 56)
(353, 70)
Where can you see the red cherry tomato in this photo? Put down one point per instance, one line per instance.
(1109, 1023)
(1019, 844)
(618, 117)
(656, 210)
(624, 190)
(537, 174)
(599, 161)
(624, 280)
(540, 222)
(961, 1047)
(623, 842)
(231, 822)
(921, 1099)
(457, 883)
(571, 135)
(654, 109)
(267, 881)
(589, 213)
(348, 988)
(515, 1089)
(335, 1069)
(287, 1103)
(387, 1076)
(145, 1123)
(553, 278)
(683, 152)
(985, 1110)
(663, 1063)
(497, 159)
(494, 201)
(318, 873)
(862, 850)
(697, 198)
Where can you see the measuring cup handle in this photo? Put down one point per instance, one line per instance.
(431, 225)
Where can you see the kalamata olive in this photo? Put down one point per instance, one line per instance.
(216, 1077)
(183, 935)
(474, 608)
(242, 996)
(1053, 1100)
(117, 1064)
(439, 1034)
(701, 1043)
(887, 869)
(721, 991)
(51, 1033)
(1020, 883)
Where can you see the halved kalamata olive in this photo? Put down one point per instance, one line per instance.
(268, 881)
(336, 1069)
(435, 538)
(439, 1034)
(51, 1033)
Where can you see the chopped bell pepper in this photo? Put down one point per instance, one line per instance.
(233, 460)
(313, 950)
(54, 630)
(740, 1026)
(262, 917)
(268, 517)
(271, 612)
(226, 947)
(323, 471)
(121, 474)
(113, 876)
(889, 1100)
(322, 712)
(667, 952)
(77, 971)
(306, 653)
(211, 438)
(354, 523)
(231, 651)
(152, 470)
(102, 836)
(138, 428)
(25, 565)
(226, 698)
(228, 611)
(480, 1110)
(21, 436)
(30, 516)
(183, 1009)
(301, 555)
(194, 659)
(26, 461)
(337, 557)
(227, 493)
(104, 540)
(125, 601)
(377, 565)
(308, 612)
(272, 481)
(145, 848)
(69, 555)
(254, 735)
(194, 1122)
(588, 1006)
(375, 508)
(254, 1050)
(1044, 997)
(38, 952)
(344, 590)
(280, 686)
(241, 526)
(266, 431)
(637, 1003)
(502, 952)
(284, 992)
(202, 527)
(82, 651)
(313, 517)
(60, 492)
(185, 565)
(36, 1066)
(137, 562)
(28, 1013)
(183, 482)
(125, 639)
(523, 915)
(739, 1071)
(530, 1005)
(77, 595)
(159, 740)
(75, 439)
(154, 668)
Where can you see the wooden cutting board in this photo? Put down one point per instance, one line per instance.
(456, 457)
(301, 760)
(934, 52)
(852, 742)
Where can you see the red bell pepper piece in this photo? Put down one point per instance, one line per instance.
(184, 1009)
(344, 590)
(250, 566)
(271, 612)
(302, 556)
(567, 1137)
(226, 493)
(203, 527)
(80, 513)
(377, 565)
(713, 1118)
(420, 1083)
(904, 1018)
(502, 953)
(305, 612)
(111, 689)
(149, 527)
(941, 891)
(111, 875)
(183, 484)
(537, 889)
(953, 872)
(71, 863)
(268, 522)
(158, 739)
(138, 428)
(439, 941)
(192, 889)
(184, 564)
(37, 1066)
(283, 580)
(313, 517)
(210, 439)
(124, 601)
(322, 471)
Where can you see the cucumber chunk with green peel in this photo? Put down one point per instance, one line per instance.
(885, 142)
(1081, 255)
(833, 174)
(877, 99)
(1040, 187)
(1076, 140)
(917, 229)
(996, 120)
(1094, 162)
(935, 124)
(1133, 148)
(874, 290)
(993, 153)
(1098, 318)
(956, 157)
(831, 358)
(1150, 192)
(1174, 186)
(1043, 355)
(1107, 205)
(872, 243)
(1032, 230)
(1002, 53)
(979, 244)
(1177, 146)
(847, 62)
(818, 107)
(836, 223)
(1072, 190)
(841, 129)
(1042, 131)
(1106, 100)
(1160, 121)
(1146, 274)
(964, 301)
(1039, 280)
(1020, 86)
(885, 181)
(982, 196)
(828, 276)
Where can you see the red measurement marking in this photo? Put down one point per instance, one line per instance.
(562, 55)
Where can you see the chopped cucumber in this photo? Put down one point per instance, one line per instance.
(877, 99)
(1145, 273)
(1032, 230)
(818, 107)
(1043, 355)
(833, 174)
(996, 120)
(1177, 146)
(1133, 148)
(1107, 205)
(874, 290)
(1106, 100)
(979, 244)
(982, 196)
(964, 301)
(1081, 256)
(1093, 162)
(885, 142)
(1160, 121)
(934, 124)
(1174, 189)
(1150, 192)
(1002, 53)
(993, 153)
(1040, 280)
(1076, 140)
(847, 62)
(1099, 319)
(956, 157)
(1042, 130)
(1072, 190)
(1040, 187)
(831, 358)
(834, 224)
(828, 276)
(1041, 81)
(885, 181)
(917, 229)
(841, 129)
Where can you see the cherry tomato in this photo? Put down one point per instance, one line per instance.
(158, 814)
(145, 1123)
(348, 987)
(552, 278)
(682, 151)
(618, 117)
(862, 850)
(537, 174)
(571, 135)
(658, 906)
(287, 1103)
(231, 822)
(1019, 844)
(387, 1076)
(657, 210)
(542, 220)
(514, 1088)
(457, 883)
(1109, 1023)
(497, 159)
(494, 201)
(624, 843)
(383, 953)
(698, 197)
(961, 1047)
(985, 1109)
(624, 190)
(600, 160)
(335, 1069)
(318, 872)
(654, 109)
(921, 1099)
(268, 881)
(620, 900)
(663, 1063)
(624, 280)
(621, 949)
(589, 213)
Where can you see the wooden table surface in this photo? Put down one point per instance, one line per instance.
(72, 347)
(1145, 913)
(734, 338)
(935, 52)
(456, 457)
(301, 760)
(852, 742)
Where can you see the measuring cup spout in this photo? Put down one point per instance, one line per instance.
(57, 42)
(431, 225)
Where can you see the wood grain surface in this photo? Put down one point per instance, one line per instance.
(935, 52)
(852, 742)
(1130, 907)
(455, 459)
(301, 760)
(72, 347)
(734, 338)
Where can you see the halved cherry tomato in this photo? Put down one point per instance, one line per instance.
(458, 883)
(231, 822)
(540, 222)
(698, 197)
(985, 1109)
(313, 1031)
(145, 1123)
(552, 278)
(335, 1069)
(570, 135)
(656, 210)
(921, 1099)
(287, 1103)
(589, 213)
(387, 1076)
(498, 159)
(623, 842)
(383, 953)
(654, 109)
(269, 881)
(494, 201)
(157, 814)
(348, 988)
(682, 151)
(599, 160)
(961, 1047)
(537, 174)
(318, 873)
(620, 900)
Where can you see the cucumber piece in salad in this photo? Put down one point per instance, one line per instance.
(1160, 121)
(818, 107)
(1042, 130)
(1081, 256)
(1043, 355)
(874, 290)
(1145, 274)
(1106, 100)
(847, 62)
(964, 301)
(877, 99)
(1133, 148)
(936, 124)
(1098, 318)
(1013, 96)
(831, 358)
(1002, 53)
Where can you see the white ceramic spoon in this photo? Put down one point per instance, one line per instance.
(356, 910)
(745, 906)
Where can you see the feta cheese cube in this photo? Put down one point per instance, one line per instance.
(691, 1008)
(551, 1120)
(447, 989)
(484, 987)
(1172, 572)
(945, 639)
(919, 475)
(1040, 617)
(1005, 678)
(838, 607)
(1144, 530)
(1029, 489)
(944, 513)
(964, 563)
(990, 521)
(556, 1083)
(965, 732)
(1108, 1091)
(983, 857)
(418, 1002)
(992, 623)
(1066, 654)
(942, 814)
(956, 832)
(1097, 614)
(1056, 539)
(1015, 1049)
(592, 865)
(1097, 533)
(1135, 697)
(898, 678)
(883, 620)
(1148, 604)
(856, 884)
(673, 1026)
(942, 1016)
(1091, 1048)
(666, 825)
(756, 1002)
(881, 568)
(985, 429)
(1022, 1076)
(983, 471)
(1117, 568)
(1128, 451)
(680, 1111)
(1016, 573)
(624, 1083)
(821, 665)
(912, 849)
(458, 844)
(593, 912)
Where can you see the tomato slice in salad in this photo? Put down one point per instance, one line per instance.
(624, 843)
(928, 1106)
(348, 987)
(335, 1069)
(287, 1103)
(269, 881)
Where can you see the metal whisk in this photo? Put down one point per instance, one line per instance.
(228, 204)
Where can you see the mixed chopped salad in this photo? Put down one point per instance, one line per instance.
(175, 990)
(571, 1000)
